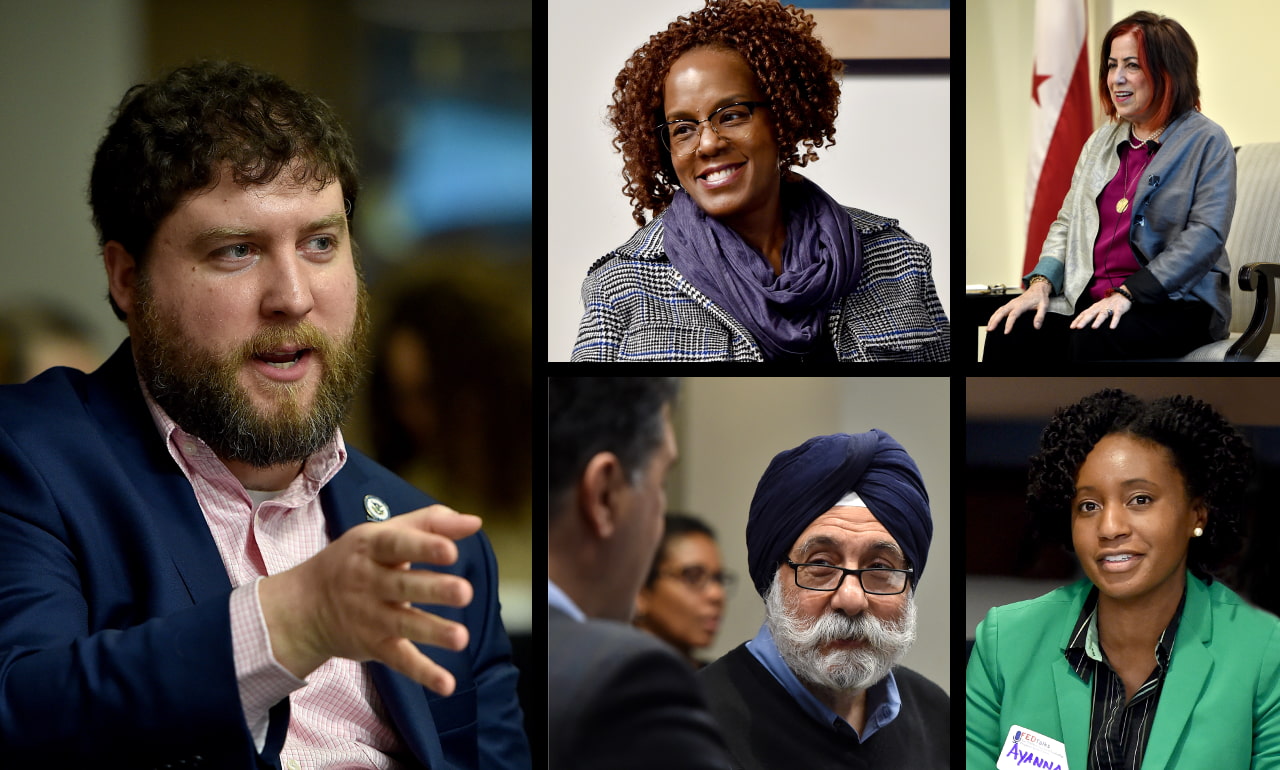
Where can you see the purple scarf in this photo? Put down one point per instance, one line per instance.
(821, 263)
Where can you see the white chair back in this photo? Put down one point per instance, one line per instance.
(1255, 229)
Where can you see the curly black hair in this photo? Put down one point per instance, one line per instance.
(1213, 458)
(171, 137)
(796, 73)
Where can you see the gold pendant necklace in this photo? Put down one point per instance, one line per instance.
(1123, 203)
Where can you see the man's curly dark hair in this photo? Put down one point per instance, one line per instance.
(171, 137)
(1214, 459)
(796, 73)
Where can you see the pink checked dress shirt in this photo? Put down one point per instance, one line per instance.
(336, 718)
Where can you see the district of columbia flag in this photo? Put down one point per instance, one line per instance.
(1061, 114)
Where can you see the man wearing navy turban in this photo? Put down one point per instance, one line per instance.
(837, 539)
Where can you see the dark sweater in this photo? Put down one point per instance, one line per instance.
(766, 729)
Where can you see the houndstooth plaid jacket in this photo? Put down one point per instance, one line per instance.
(638, 307)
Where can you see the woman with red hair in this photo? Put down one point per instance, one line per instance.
(1135, 266)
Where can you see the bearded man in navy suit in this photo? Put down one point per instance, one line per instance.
(195, 570)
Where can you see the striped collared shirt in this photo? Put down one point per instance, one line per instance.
(1118, 731)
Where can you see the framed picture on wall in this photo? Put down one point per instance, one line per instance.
(911, 34)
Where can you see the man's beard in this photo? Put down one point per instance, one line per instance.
(201, 391)
(800, 641)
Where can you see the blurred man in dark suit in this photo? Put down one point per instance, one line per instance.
(619, 698)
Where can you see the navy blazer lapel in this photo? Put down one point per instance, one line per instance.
(114, 397)
(344, 503)
(406, 703)
(343, 499)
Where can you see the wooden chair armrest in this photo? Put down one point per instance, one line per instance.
(1257, 277)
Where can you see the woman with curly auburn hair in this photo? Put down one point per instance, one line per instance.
(746, 260)
(1148, 662)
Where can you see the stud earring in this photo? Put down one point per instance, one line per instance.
(1197, 532)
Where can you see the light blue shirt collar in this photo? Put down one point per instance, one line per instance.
(556, 597)
(883, 701)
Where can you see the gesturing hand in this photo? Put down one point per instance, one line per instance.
(352, 600)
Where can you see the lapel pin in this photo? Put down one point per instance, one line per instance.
(375, 509)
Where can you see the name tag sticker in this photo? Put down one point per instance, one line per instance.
(1024, 750)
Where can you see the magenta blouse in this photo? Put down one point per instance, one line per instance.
(1113, 258)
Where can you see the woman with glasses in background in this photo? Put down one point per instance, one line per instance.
(683, 598)
(747, 260)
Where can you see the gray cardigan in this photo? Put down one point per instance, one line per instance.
(1181, 215)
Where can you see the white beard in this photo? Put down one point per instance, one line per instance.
(800, 640)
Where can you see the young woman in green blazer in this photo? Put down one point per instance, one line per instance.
(1149, 662)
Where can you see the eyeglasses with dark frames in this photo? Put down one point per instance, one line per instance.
(730, 122)
(698, 578)
(880, 581)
